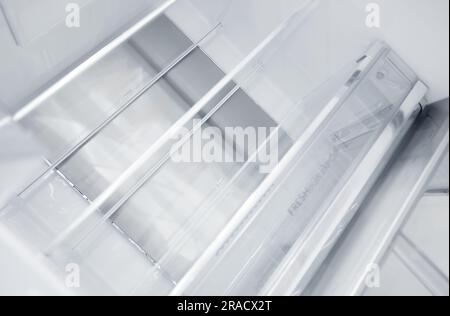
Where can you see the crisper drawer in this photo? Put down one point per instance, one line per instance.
(400, 230)
(164, 169)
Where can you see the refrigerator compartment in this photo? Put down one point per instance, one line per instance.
(60, 123)
(79, 134)
(383, 216)
(248, 251)
(44, 191)
(246, 66)
(99, 95)
(203, 224)
(173, 212)
(112, 187)
(97, 161)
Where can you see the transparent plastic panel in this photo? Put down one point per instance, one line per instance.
(29, 69)
(241, 31)
(121, 79)
(187, 204)
(380, 239)
(296, 201)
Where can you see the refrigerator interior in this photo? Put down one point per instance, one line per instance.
(396, 245)
(90, 177)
